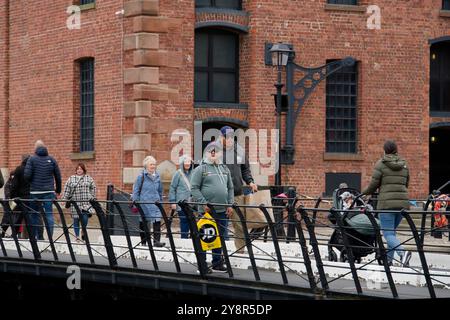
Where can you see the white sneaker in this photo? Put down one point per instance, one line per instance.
(405, 259)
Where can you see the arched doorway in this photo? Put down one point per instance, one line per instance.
(439, 107)
(439, 155)
(215, 123)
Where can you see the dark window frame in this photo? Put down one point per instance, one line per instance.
(82, 2)
(87, 104)
(340, 114)
(445, 4)
(213, 5)
(343, 2)
(439, 77)
(210, 70)
(334, 179)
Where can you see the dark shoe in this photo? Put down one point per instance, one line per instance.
(220, 268)
(208, 271)
(159, 244)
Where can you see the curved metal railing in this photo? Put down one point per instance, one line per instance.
(307, 264)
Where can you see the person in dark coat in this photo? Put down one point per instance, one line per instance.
(235, 159)
(2, 181)
(19, 188)
(42, 171)
(391, 178)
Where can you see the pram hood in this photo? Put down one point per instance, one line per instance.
(354, 219)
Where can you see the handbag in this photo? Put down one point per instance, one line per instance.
(68, 204)
(254, 216)
(133, 208)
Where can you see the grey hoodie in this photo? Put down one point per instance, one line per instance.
(179, 190)
(212, 183)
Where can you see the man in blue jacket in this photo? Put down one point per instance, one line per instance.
(43, 173)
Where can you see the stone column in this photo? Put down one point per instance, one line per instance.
(144, 59)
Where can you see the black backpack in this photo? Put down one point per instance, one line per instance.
(8, 186)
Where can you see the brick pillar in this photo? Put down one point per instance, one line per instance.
(4, 85)
(143, 61)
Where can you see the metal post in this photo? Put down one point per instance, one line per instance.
(105, 232)
(315, 246)
(291, 214)
(248, 242)
(279, 86)
(195, 236)
(110, 208)
(420, 251)
(65, 230)
(169, 235)
(275, 244)
(216, 217)
(126, 232)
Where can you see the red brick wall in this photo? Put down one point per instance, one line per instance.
(43, 52)
(3, 84)
(393, 98)
(393, 82)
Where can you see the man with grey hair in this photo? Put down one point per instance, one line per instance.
(42, 171)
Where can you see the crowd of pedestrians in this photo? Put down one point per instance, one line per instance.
(37, 180)
(219, 178)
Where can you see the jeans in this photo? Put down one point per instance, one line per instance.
(389, 223)
(37, 227)
(221, 220)
(184, 225)
(76, 223)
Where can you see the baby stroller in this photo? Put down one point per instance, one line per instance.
(359, 230)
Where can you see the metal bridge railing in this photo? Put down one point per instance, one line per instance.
(311, 240)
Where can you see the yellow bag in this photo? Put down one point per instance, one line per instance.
(254, 216)
(209, 234)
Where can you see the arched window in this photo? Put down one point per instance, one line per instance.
(216, 66)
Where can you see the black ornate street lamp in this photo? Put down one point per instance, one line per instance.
(298, 92)
(280, 56)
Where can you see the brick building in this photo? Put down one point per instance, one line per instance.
(114, 90)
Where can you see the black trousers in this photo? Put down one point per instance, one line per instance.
(156, 231)
(12, 218)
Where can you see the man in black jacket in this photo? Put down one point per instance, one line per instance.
(236, 160)
(42, 171)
